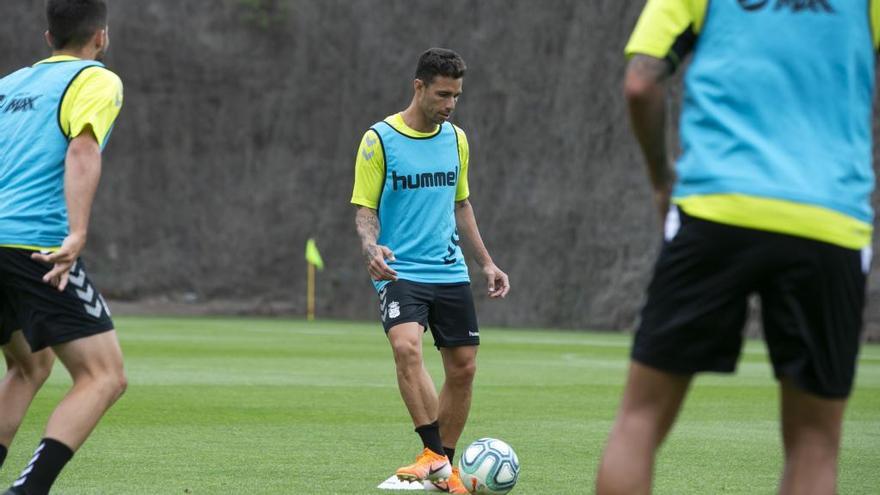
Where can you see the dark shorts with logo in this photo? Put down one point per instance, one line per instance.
(46, 316)
(812, 296)
(447, 309)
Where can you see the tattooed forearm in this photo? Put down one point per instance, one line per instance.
(645, 91)
(367, 229)
(648, 68)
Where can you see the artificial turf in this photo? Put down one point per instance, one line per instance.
(257, 406)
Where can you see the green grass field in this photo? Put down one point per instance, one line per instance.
(251, 406)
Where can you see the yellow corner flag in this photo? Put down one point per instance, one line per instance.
(313, 256)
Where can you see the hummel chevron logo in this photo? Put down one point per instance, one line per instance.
(93, 303)
(104, 303)
(368, 152)
(383, 302)
(86, 295)
(94, 310)
(77, 277)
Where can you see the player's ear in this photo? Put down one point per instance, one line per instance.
(49, 40)
(99, 40)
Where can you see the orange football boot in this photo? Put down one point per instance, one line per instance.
(454, 485)
(429, 466)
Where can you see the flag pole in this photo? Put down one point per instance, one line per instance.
(310, 297)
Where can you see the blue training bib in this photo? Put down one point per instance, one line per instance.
(778, 102)
(417, 206)
(33, 148)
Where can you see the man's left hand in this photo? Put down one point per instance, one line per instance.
(62, 261)
(497, 281)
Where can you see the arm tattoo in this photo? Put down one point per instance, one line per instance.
(368, 230)
(649, 68)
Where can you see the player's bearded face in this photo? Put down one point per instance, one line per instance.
(438, 99)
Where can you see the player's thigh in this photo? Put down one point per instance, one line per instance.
(95, 355)
(812, 310)
(49, 317)
(697, 300)
(453, 316)
(653, 396)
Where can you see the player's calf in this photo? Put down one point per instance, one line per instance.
(25, 374)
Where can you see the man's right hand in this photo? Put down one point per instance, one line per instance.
(375, 257)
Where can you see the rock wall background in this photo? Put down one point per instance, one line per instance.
(242, 119)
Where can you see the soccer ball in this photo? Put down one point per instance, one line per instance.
(489, 467)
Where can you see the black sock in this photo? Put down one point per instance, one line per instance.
(431, 437)
(48, 461)
(3, 452)
(450, 453)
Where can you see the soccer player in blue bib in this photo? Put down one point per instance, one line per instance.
(770, 196)
(55, 118)
(411, 193)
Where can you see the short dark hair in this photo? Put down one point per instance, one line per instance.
(440, 62)
(73, 22)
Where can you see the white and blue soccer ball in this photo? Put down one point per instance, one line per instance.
(489, 467)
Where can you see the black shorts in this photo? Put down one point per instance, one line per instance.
(812, 296)
(47, 317)
(447, 309)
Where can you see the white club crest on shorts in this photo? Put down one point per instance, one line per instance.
(393, 309)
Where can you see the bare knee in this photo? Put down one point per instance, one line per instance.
(115, 383)
(407, 353)
(109, 382)
(121, 384)
(462, 374)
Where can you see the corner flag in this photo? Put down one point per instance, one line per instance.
(313, 256)
(314, 260)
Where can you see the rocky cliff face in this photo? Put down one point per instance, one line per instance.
(242, 119)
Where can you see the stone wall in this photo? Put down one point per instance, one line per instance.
(242, 119)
